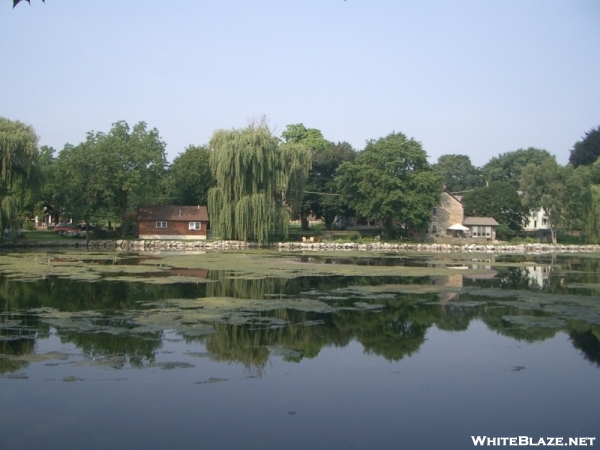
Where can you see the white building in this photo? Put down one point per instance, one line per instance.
(537, 221)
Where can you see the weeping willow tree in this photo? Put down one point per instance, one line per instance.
(593, 216)
(253, 171)
(18, 157)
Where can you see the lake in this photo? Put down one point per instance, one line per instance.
(320, 350)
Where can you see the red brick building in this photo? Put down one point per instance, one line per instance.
(172, 222)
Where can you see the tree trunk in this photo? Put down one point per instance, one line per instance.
(553, 230)
(328, 222)
(304, 223)
(87, 234)
(387, 227)
(553, 234)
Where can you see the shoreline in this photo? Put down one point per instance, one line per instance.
(155, 245)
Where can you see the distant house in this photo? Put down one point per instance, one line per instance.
(481, 227)
(447, 213)
(537, 221)
(172, 222)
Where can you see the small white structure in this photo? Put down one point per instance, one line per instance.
(457, 230)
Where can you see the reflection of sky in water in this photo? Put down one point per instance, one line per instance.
(459, 384)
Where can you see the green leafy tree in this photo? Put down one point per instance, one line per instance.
(508, 166)
(593, 215)
(83, 190)
(109, 175)
(46, 200)
(499, 200)
(458, 173)
(189, 178)
(312, 139)
(253, 173)
(133, 162)
(391, 181)
(577, 196)
(586, 151)
(543, 186)
(18, 165)
(328, 203)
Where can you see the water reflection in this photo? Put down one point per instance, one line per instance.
(521, 297)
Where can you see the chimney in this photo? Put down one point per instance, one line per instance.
(179, 213)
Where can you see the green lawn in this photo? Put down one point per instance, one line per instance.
(42, 236)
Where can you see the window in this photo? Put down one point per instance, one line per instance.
(161, 224)
(195, 225)
(434, 227)
(434, 211)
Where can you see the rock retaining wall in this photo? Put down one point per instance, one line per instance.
(156, 245)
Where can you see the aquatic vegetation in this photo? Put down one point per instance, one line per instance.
(248, 306)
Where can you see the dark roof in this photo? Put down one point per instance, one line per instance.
(173, 212)
(480, 221)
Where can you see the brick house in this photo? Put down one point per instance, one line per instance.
(172, 222)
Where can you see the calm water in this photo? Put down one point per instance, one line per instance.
(300, 352)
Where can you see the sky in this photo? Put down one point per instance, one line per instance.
(471, 77)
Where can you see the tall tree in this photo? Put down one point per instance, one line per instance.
(189, 178)
(499, 200)
(253, 173)
(327, 203)
(312, 139)
(391, 181)
(543, 186)
(18, 160)
(83, 190)
(133, 160)
(508, 166)
(458, 173)
(122, 168)
(586, 151)
(592, 225)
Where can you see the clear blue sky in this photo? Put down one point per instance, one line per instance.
(474, 77)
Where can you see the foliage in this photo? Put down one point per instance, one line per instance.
(312, 139)
(109, 175)
(508, 166)
(253, 174)
(586, 151)
(322, 179)
(499, 200)
(189, 178)
(505, 233)
(543, 187)
(593, 216)
(391, 181)
(82, 184)
(458, 174)
(309, 137)
(18, 167)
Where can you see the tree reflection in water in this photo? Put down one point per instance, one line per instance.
(395, 330)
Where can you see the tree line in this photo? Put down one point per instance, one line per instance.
(254, 182)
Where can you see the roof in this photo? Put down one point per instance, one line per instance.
(480, 221)
(173, 212)
(458, 198)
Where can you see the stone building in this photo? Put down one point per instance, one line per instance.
(449, 212)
